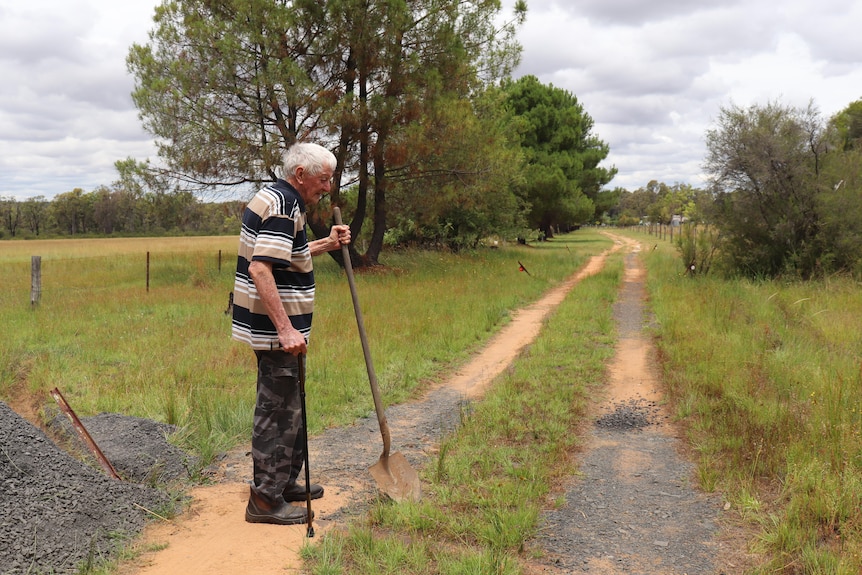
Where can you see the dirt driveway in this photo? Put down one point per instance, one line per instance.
(632, 511)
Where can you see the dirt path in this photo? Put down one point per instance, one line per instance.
(634, 508)
(652, 531)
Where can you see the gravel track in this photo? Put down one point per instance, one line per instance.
(634, 507)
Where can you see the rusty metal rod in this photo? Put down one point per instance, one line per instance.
(85, 435)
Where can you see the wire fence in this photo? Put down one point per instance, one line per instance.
(53, 277)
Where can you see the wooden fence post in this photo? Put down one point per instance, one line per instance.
(35, 280)
(148, 272)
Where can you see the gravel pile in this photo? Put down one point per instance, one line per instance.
(631, 414)
(58, 513)
(137, 448)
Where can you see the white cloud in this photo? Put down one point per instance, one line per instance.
(654, 75)
(66, 113)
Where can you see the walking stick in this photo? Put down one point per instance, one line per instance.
(310, 531)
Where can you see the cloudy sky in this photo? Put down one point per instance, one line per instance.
(652, 74)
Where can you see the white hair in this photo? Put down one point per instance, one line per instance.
(312, 158)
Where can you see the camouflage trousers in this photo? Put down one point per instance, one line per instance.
(277, 439)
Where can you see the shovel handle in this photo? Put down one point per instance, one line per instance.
(369, 366)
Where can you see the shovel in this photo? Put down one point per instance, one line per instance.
(392, 472)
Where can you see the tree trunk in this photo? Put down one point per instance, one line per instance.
(380, 183)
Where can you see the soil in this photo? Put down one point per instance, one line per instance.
(633, 508)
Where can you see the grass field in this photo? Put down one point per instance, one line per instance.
(111, 344)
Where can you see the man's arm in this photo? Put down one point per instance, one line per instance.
(338, 236)
(291, 340)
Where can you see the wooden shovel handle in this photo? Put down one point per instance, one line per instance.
(369, 366)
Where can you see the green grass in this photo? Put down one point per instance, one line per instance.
(765, 377)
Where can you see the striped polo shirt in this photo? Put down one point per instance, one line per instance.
(273, 230)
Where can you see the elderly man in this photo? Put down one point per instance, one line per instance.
(273, 305)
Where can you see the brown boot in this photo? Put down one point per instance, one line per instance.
(261, 510)
(295, 492)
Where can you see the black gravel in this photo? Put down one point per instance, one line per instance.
(59, 513)
(137, 448)
(637, 519)
(631, 414)
(633, 508)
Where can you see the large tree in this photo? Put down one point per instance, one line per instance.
(471, 194)
(72, 212)
(765, 164)
(563, 177)
(35, 213)
(10, 215)
(226, 85)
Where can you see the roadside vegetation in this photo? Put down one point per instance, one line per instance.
(766, 376)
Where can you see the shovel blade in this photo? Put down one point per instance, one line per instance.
(396, 478)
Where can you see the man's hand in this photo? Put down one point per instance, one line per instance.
(340, 234)
(292, 341)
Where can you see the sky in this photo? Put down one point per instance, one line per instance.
(653, 75)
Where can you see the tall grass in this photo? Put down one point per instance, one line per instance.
(111, 345)
(767, 376)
